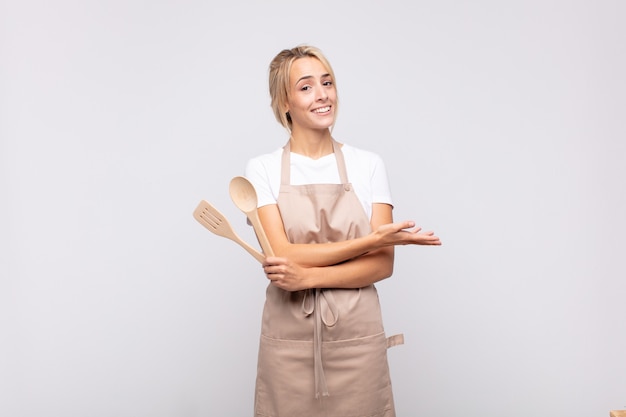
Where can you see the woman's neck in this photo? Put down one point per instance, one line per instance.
(311, 144)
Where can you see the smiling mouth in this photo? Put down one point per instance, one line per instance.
(322, 110)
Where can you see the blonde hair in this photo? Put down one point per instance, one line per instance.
(279, 72)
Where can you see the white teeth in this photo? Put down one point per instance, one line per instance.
(322, 110)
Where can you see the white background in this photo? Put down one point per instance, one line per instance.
(502, 124)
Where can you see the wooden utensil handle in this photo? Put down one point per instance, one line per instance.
(257, 255)
(260, 234)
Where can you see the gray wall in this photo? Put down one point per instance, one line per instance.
(502, 125)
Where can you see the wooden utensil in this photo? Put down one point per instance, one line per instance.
(216, 222)
(244, 196)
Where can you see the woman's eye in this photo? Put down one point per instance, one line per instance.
(305, 87)
(328, 83)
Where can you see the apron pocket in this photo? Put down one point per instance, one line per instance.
(356, 372)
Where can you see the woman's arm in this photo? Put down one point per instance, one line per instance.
(385, 234)
(360, 268)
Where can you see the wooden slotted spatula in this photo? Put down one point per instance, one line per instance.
(209, 217)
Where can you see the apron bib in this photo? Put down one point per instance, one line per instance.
(323, 352)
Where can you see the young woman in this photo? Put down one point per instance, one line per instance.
(327, 212)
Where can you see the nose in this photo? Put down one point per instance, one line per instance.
(322, 94)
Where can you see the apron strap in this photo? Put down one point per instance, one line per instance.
(341, 163)
(285, 165)
(285, 171)
(322, 302)
(395, 340)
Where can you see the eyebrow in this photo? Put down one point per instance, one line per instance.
(306, 77)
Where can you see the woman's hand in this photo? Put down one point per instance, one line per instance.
(285, 274)
(398, 234)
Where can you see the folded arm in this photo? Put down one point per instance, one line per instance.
(352, 263)
(385, 233)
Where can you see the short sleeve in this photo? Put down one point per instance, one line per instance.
(260, 175)
(381, 192)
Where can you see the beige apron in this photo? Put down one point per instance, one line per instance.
(323, 352)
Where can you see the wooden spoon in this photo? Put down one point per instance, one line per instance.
(244, 196)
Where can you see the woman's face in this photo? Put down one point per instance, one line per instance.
(312, 96)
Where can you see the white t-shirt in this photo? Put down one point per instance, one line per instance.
(366, 171)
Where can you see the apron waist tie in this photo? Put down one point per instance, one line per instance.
(323, 302)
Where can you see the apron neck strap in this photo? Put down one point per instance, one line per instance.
(285, 172)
